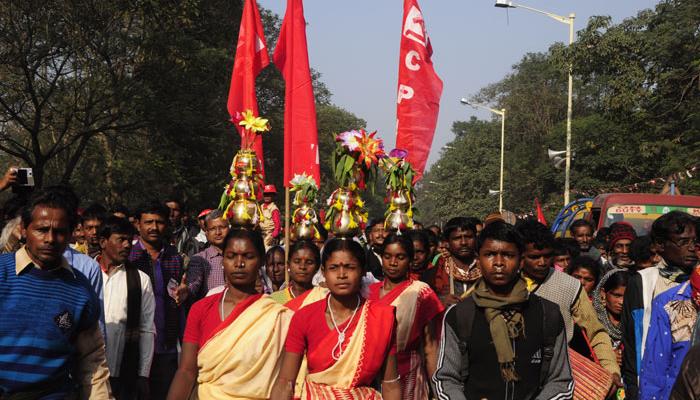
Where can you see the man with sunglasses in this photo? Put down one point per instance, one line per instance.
(675, 238)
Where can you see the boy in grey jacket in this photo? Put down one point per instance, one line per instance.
(502, 342)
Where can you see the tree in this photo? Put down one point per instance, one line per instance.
(459, 182)
(66, 77)
(636, 117)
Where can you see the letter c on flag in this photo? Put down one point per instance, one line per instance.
(412, 58)
(405, 92)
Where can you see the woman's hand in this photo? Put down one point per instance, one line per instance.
(283, 388)
(391, 381)
(186, 375)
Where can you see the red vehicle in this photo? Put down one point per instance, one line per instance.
(638, 209)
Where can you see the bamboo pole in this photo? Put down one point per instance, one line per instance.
(286, 236)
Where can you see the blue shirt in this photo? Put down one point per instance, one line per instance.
(43, 314)
(673, 317)
(91, 269)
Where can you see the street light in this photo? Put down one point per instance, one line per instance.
(569, 21)
(502, 113)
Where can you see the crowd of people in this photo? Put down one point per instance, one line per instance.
(146, 304)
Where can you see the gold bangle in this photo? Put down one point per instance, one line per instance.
(393, 380)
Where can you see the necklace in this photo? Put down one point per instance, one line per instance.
(221, 306)
(338, 348)
(291, 292)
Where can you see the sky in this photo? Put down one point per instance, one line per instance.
(355, 46)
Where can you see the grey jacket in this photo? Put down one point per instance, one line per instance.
(451, 374)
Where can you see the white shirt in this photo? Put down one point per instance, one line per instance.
(115, 307)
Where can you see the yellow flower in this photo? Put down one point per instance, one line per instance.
(253, 123)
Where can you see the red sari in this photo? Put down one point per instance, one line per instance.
(416, 306)
(369, 339)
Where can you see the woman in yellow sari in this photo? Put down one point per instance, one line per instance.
(351, 342)
(417, 308)
(233, 339)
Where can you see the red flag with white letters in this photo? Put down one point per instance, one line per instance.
(251, 58)
(419, 89)
(300, 134)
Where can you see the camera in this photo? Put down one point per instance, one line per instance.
(24, 184)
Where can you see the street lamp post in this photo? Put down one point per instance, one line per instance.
(569, 21)
(502, 113)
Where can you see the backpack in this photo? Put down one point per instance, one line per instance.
(464, 330)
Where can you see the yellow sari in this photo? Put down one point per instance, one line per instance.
(242, 360)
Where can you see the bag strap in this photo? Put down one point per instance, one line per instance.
(550, 337)
(464, 325)
(130, 361)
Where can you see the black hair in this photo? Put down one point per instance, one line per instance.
(372, 223)
(616, 280)
(580, 223)
(404, 241)
(420, 235)
(349, 245)
(640, 249)
(59, 197)
(153, 207)
(434, 226)
(502, 232)
(668, 224)
(173, 199)
(115, 225)
(14, 205)
(255, 238)
(463, 223)
(474, 220)
(585, 262)
(94, 211)
(433, 239)
(308, 245)
(535, 233)
(564, 246)
(120, 208)
(599, 242)
(272, 250)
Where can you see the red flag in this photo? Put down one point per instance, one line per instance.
(419, 89)
(292, 58)
(540, 214)
(251, 58)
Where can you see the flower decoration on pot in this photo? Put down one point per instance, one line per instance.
(304, 217)
(400, 195)
(241, 195)
(354, 163)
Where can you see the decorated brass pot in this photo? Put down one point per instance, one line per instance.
(245, 162)
(397, 220)
(241, 188)
(303, 227)
(243, 213)
(347, 217)
(398, 217)
(399, 199)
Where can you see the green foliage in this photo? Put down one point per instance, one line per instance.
(138, 111)
(636, 117)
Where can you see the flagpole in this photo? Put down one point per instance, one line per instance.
(286, 236)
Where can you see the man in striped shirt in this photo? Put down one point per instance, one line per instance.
(50, 343)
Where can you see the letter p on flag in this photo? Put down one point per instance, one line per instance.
(405, 92)
(419, 89)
